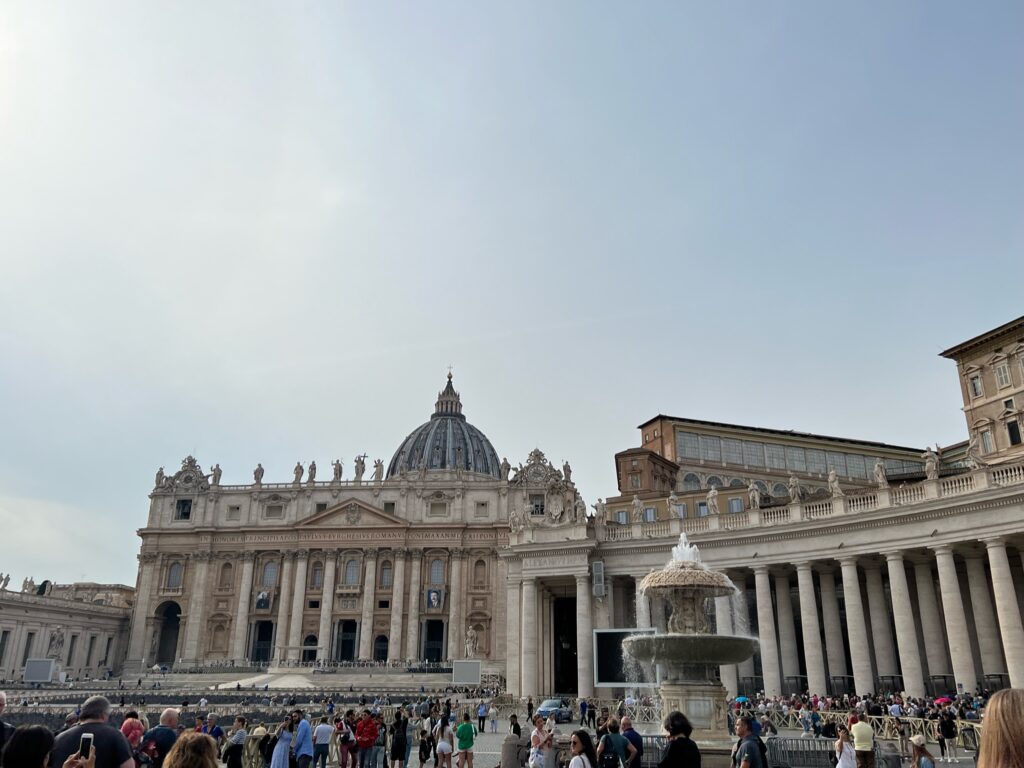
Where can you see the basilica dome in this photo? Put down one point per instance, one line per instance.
(447, 442)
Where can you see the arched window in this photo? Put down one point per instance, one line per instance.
(715, 482)
(691, 482)
(219, 638)
(780, 490)
(737, 483)
(386, 575)
(437, 572)
(316, 576)
(352, 572)
(762, 485)
(175, 575)
(226, 575)
(480, 573)
(270, 574)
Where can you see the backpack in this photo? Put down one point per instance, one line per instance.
(609, 757)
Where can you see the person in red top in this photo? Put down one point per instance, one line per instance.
(366, 737)
(132, 728)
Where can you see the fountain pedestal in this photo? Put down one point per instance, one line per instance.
(704, 705)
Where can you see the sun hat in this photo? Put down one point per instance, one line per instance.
(917, 739)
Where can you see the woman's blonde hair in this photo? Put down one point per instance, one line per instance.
(1002, 739)
(192, 750)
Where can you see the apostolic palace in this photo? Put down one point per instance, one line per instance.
(860, 566)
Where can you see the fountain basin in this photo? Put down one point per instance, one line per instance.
(690, 649)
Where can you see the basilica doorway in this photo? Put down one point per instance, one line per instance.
(309, 648)
(380, 648)
(169, 617)
(262, 641)
(347, 639)
(566, 669)
(433, 640)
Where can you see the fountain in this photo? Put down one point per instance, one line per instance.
(690, 653)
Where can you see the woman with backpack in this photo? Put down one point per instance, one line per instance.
(614, 750)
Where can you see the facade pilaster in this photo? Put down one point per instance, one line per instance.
(285, 596)
(723, 626)
(196, 605)
(931, 624)
(397, 607)
(412, 645)
(881, 630)
(956, 620)
(529, 645)
(143, 601)
(369, 596)
(766, 633)
(298, 605)
(584, 637)
(787, 628)
(860, 656)
(1008, 610)
(323, 635)
(814, 657)
(906, 630)
(834, 651)
(238, 650)
(456, 631)
(513, 632)
(992, 659)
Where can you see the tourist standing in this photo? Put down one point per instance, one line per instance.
(481, 716)
(492, 714)
(529, 709)
(283, 747)
(132, 728)
(583, 712)
(192, 750)
(947, 735)
(626, 729)
(513, 726)
(303, 746)
(399, 738)
(863, 742)
(464, 733)
(163, 735)
(922, 757)
(615, 741)
(582, 748)
(322, 742)
(112, 750)
(846, 757)
(748, 750)
(1002, 738)
(443, 738)
(681, 751)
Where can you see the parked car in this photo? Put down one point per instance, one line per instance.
(556, 707)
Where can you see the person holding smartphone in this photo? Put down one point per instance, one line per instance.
(93, 732)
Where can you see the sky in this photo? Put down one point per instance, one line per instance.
(261, 232)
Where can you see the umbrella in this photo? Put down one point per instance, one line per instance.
(943, 700)
(741, 699)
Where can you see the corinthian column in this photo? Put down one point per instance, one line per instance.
(298, 605)
(412, 645)
(863, 677)
(397, 607)
(906, 630)
(529, 644)
(830, 619)
(143, 598)
(284, 596)
(238, 650)
(881, 631)
(992, 660)
(584, 637)
(814, 658)
(766, 632)
(956, 622)
(1008, 610)
(455, 621)
(196, 606)
(323, 636)
(787, 628)
(931, 625)
(369, 595)
(513, 633)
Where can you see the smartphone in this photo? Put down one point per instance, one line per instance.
(85, 746)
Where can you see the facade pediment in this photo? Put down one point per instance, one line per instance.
(349, 512)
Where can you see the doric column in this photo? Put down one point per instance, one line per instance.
(860, 656)
(323, 635)
(931, 624)
(1008, 611)
(834, 651)
(787, 628)
(412, 645)
(298, 605)
(584, 637)
(140, 617)
(238, 650)
(741, 623)
(456, 632)
(956, 622)
(643, 605)
(513, 632)
(906, 629)
(369, 595)
(196, 605)
(529, 643)
(284, 596)
(814, 657)
(397, 607)
(881, 630)
(766, 633)
(723, 626)
(992, 660)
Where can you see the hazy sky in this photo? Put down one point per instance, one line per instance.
(261, 232)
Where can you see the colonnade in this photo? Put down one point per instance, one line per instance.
(909, 629)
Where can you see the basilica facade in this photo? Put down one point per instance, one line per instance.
(859, 565)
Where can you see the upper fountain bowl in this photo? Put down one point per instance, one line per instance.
(687, 575)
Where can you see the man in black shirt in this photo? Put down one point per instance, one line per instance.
(163, 736)
(112, 750)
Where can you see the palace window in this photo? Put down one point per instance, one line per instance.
(437, 572)
(710, 448)
(226, 576)
(688, 445)
(974, 385)
(175, 574)
(815, 461)
(837, 461)
(234, 512)
(274, 510)
(776, 456)
(650, 514)
(1003, 375)
(715, 482)
(438, 508)
(691, 482)
(480, 573)
(352, 572)
(621, 517)
(735, 505)
(183, 509)
(753, 453)
(481, 509)
(389, 507)
(537, 503)
(1008, 404)
(386, 575)
(732, 450)
(269, 574)
(1013, 432)
(316, 575)
(321, 506)
(987, 445)
(634, 481)
(680, 510)
(702, 509)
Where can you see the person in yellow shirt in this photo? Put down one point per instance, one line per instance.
(863, 742)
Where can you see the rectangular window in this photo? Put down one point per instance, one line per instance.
(481, 509)
(438, 508)
(633, 464)
(702, 509)
(650, 514)
(986, 442)
(735, 505)
(634, 481)
(1003, 375)
(536, 503)
(621, 517)
(753, 454)
(795, 460)
(1013, 432)
(815, 461)
(710, 448)
(90, 650)
(274, 510)
(776, 456)
(321, 506)
(732, 450)
(30, 638)
(106, 651)
(389, 507)
(681, 509)
(856, 466)
(5, 637)
(183, 509)
(383, 603)
(71, 650)
(837, 461)
(1008, 404)
(234, 512)
(974, 385)
(688, 445)
(313, 604)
